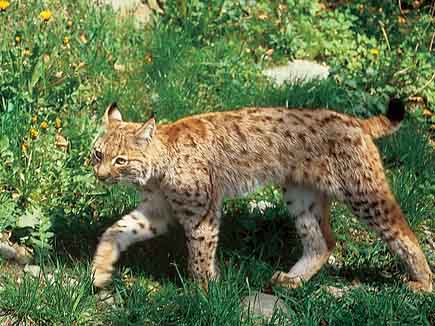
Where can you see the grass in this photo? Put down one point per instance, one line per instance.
(58, 76)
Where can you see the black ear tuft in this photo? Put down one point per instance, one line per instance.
(153, 115)
(396, 109)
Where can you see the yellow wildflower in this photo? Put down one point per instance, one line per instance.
(69, 23)
(35, 118)
(263, 16)
(34, 133)
(17, 39)
(45, 15)
(4, 5)
(269, 52)
(24, 147)
(26, 53)
(83, 38)
(66, 40)
(58, 123)
(374, 51)
(44, 125)
(149, 58)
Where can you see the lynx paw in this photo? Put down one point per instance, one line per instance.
(420, 286)
(285, 280)
(107, 254)
(102, 277)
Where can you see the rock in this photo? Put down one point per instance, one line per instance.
(336, 292)
(106, 297)
(23, 256)
(137, 8)
(262, 305)
(119, 4)
(15, 252)
(297, 71)
(334, 262)
(261, 205)
(33, 270)
(7, 251)
(58, 276)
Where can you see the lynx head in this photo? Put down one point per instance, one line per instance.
(123, 151)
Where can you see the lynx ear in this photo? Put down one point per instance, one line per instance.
(112, 115)
(146, 132)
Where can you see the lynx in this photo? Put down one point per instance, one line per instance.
(186, 168)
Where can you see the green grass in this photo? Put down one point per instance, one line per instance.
(194, 59)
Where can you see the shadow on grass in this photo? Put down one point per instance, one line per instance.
(271, 242)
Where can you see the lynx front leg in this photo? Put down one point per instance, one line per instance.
(151, 218)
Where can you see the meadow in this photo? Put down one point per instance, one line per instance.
(62, 62)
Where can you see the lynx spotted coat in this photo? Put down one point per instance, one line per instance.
(186, 168)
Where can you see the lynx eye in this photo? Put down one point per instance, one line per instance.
(120, 161)
(97, 156)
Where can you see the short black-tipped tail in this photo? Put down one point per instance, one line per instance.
(384, 125)
(396, 110)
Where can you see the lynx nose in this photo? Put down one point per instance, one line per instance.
(101, 172)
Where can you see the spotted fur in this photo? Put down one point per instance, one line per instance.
(186, 168)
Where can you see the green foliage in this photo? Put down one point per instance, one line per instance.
(364, 43)
(53, 298)
(48, 80)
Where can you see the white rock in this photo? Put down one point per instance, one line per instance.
(331, 260)
(336, 292)
(297, 71)
(340, 292)
(6, 251)
(262, 305)
(261, 205)
(334, 262)
(119, 4)
(138, 8)
(106, 297)
(59, 276)
(33, 270)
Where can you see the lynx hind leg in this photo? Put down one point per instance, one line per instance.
(380, 211)
(311, 210)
